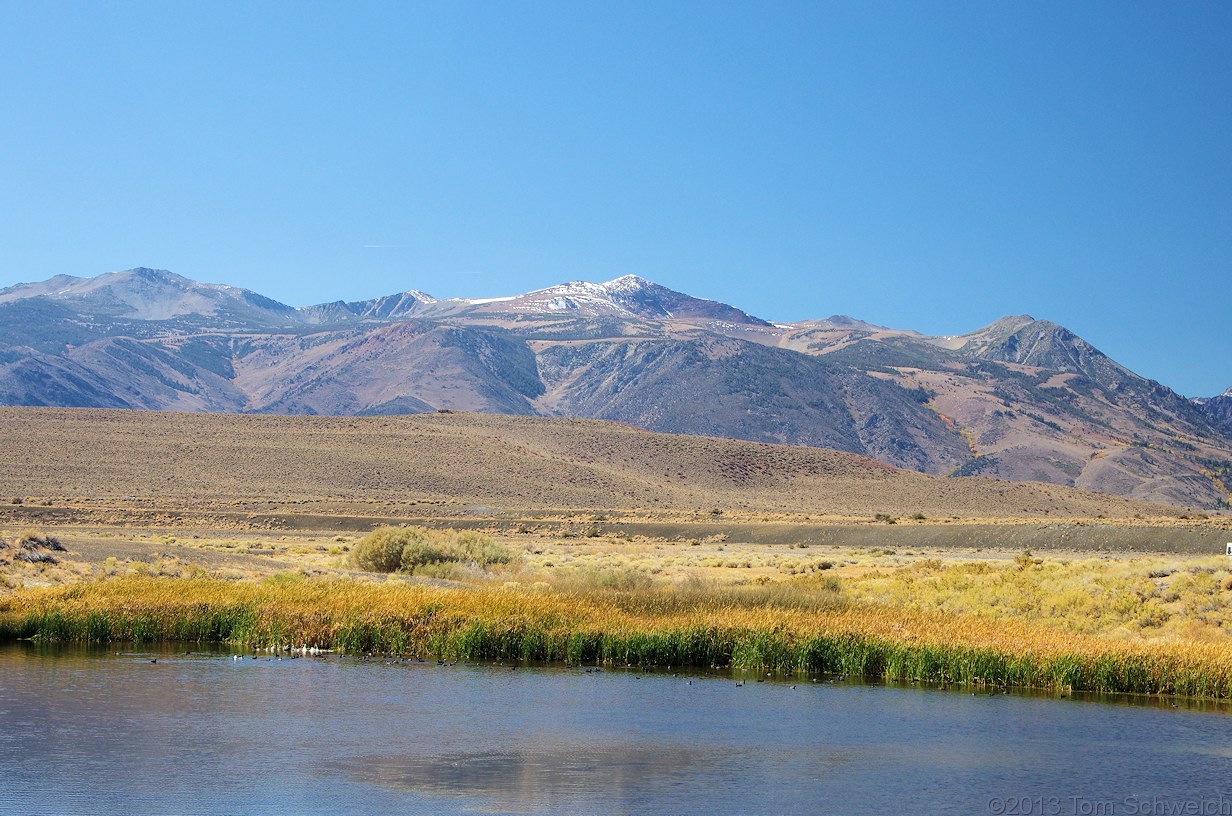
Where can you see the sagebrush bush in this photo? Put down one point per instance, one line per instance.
(390, 549)
(380, 550)
(590, 578)
(33, 539)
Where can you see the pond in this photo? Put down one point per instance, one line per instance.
(109, 731)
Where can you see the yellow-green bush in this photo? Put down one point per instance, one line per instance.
(380, 550)
(408, 549)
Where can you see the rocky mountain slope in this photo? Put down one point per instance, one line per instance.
(1219, 411)
(1021, 399)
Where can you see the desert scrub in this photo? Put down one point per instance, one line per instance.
(32, 547)
(592, 578)
(30, 539)
(411, 549)
(651, 627)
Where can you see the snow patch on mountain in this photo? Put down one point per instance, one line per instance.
(629, 296)
(482, 301)
(615, 297)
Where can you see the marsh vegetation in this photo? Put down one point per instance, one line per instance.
(1152, 624)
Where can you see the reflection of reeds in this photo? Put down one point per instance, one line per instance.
(812, 633)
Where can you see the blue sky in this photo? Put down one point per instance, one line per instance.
(920, 165)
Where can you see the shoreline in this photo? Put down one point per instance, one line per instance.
(640, 628)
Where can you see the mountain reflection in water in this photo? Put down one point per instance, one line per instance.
(523, 780)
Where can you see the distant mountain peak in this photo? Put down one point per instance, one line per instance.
(1043, 344)
(389, 307)
(628, 296)
(1010, 323)
(145, 293)
(149, 275)
(52, 285)
(628, 283)
(840, 321)
(149, 272)
(624, 285)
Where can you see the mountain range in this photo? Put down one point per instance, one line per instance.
(1021, 399)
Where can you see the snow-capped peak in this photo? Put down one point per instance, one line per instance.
(629, 296)
(627, 283)
(583, 297)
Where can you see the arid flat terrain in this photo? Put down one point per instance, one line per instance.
(457, 464)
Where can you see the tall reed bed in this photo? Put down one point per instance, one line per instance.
(650, 627)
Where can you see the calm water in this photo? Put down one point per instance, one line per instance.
(93, 732)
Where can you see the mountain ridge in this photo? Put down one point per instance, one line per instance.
(1020, 398)
(149, 294)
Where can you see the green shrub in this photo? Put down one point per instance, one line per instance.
(380, 550)
(419, 549)
(481, 550)
(419, 552)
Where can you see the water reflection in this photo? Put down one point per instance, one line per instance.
(524, 780)
(92, 731)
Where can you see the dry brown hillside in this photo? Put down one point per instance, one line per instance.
(469, 461)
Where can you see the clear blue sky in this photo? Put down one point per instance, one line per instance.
(927, 165)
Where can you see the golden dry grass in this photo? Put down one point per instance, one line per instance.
(807, 632)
